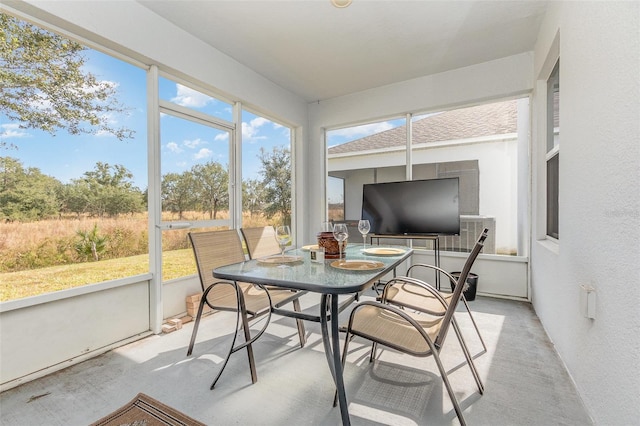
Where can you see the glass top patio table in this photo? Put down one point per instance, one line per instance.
(329, 282)
(311, 276)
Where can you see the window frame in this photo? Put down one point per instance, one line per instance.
(342, 181)
(292, 157)
(197, 117)
(552, 155)
(410, 147)
(98, 286)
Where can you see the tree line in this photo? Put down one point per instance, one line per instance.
(26, 194)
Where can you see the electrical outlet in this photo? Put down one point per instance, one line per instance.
(588, 301)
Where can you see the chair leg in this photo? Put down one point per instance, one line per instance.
(231, 350)
(247, 337)
(196, 324)
(473, 321)
(347, 339)
(469, 358)
(300, 324)
(452, 395)
(241, 315)
(372, 355)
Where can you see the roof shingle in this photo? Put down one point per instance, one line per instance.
(464, 123)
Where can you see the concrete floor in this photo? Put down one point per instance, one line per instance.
(525, 381)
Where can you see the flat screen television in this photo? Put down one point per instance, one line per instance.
(416, 207)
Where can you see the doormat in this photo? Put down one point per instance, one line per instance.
(146, 411)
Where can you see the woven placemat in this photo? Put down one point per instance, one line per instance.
(146, 411)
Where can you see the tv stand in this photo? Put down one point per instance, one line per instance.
(435, 243)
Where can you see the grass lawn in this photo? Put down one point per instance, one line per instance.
(16, 285)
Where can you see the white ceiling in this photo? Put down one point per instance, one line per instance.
(319, 51)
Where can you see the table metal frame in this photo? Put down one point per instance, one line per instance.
(253, 272)
(435, 241)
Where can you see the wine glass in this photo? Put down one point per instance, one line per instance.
(364, 227)
(283, 236)
(340, 233)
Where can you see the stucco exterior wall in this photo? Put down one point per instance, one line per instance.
(69, 326)
(599, 245)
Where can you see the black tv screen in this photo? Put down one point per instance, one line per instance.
(417, 207)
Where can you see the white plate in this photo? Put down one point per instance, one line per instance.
(383, 251)
(310, 247)
(278, 259)
(357, 265)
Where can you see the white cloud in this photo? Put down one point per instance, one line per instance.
(222, 137)
(173, 147)
(259, 122)
(250, 130)
(188, 97)
(41, 103)
(362, 131)
(203, 153)
(106, 84)
(247, 131)
(109, 119)
(193, 143)
(12, 130)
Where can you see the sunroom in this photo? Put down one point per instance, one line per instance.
(315, 71)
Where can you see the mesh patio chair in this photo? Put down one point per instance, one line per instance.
(261, 242)
(420, 334)
(218, 248)
(410, 296)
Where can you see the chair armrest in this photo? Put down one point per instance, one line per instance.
(438, 269)
(237, 299)
(414, 281)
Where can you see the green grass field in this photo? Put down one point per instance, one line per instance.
(17, 285)
(39, 257)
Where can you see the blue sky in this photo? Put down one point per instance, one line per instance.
(66, 156)
(183, 143)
